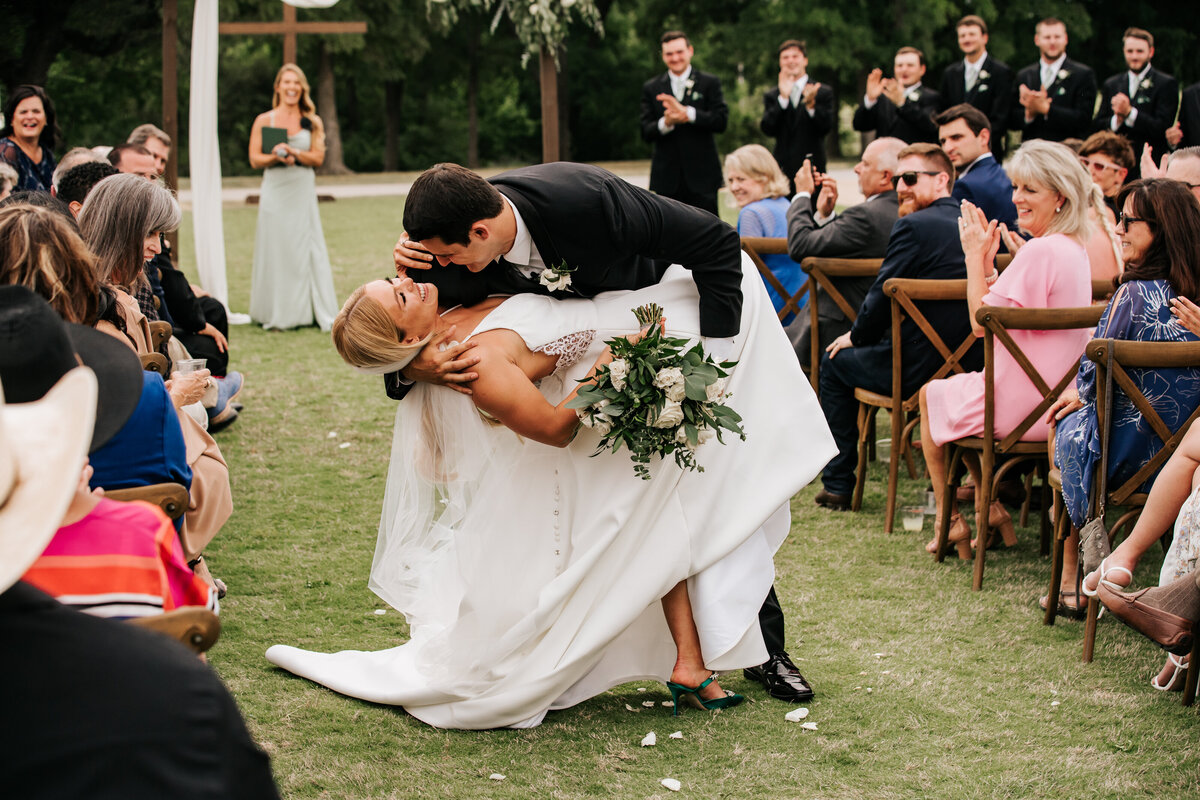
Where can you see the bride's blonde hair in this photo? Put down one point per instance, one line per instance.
(368, 340)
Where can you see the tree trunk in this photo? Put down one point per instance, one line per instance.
(327, 109)
(564, 105)
(393, 94)
(473, 95)
(549, 84)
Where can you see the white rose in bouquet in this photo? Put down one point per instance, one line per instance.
(716, 390)
(676, 392)
(670, 416)
(617, 371)
(668, 377)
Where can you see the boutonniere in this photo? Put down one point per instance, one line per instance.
(1063, 74)
(556, 279)
(914, 95)
(981, 87)
(1061, 91)
(984, 74)
(1145, 84)
(687, 87)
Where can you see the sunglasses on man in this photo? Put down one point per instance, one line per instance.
(910, 178)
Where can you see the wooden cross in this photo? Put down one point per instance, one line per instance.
(290, 28)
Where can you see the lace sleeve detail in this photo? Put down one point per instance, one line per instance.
(569, 348)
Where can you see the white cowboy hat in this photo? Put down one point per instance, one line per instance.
(43, 445)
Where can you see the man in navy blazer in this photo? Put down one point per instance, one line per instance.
(924, 244)
(1055, 96)
(1139, 103)
(979, 80)
(681, 110)
(964, 135)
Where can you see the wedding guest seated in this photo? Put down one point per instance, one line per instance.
(122, 220)
(134, 159)
(77, 182)
(73, 158)
(1108, 158)
(28, 136)
(964, 134)
(860, 231)
(760, 190)
(1160, 233)
(108, 559)
(924, 244)
(1172, 502)
(1052, 195)
(110, 719)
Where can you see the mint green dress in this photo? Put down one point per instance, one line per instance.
(291, 285)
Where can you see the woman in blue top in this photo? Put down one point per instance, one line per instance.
(760, 190)
(1160, 240)
(27, 139)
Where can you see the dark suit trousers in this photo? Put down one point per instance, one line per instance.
(706, 201)
(770, 619)
(870, 367)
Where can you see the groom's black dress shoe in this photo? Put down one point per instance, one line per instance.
(781, 679)
(834, 502)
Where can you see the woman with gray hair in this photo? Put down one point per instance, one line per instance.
(1053, 195)
(760, 190)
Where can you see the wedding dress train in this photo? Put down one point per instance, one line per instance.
(531, 576)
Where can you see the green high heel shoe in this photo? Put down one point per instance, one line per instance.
(679, 691)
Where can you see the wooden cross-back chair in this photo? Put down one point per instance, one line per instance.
(195, 627)
(160, 332)
(757, 247)
(997, 323)
(904, 294)
(822, 274)
(172, 498)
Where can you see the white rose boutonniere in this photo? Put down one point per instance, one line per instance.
(984, 74)
(687, 87)
(1146, 83)
(556, 279)
(1063, 74)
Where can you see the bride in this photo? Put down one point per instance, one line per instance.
(534, 576)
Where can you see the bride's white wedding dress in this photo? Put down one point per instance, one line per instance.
(531, 575)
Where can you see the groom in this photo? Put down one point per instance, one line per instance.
(499, 236)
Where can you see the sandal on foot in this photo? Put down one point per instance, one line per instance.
(1104, 571)
(1077, 611)
(1178, 674)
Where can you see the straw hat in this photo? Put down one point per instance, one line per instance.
(43, 445)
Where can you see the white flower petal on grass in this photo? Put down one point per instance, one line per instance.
(641, 688)
(649, 740)
(869, 690)
(648, 703)
(343, 445)
(496, 776)
(808, 726)
(379, 612)
(1055, 703)
(668, 704)
(676, 735)
(671, 784)
(331, 435)
(796, 716)
(631, 708)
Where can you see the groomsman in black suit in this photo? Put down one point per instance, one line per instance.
(899, 107)
(1055, 96)
(798, 113)
(681, 110)
(1139, 103)
(499, 236)
(1186, 132)
(979, 80)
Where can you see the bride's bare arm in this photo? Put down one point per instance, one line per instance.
(505, 391)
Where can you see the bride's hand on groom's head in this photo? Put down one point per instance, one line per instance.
(410, 255)
(444, 362)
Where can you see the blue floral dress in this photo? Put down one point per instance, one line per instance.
(1140, 311)
(768, 217)
(30, 176)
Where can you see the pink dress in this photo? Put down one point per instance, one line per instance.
(1048, 272)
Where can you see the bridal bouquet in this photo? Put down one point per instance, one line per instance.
(656, 398)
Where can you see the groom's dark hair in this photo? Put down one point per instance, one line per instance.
(445, 201)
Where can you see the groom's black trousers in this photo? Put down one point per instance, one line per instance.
(770, 619)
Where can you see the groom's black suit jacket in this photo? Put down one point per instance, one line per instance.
(614, 235)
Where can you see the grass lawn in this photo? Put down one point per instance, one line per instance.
(924, 688)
